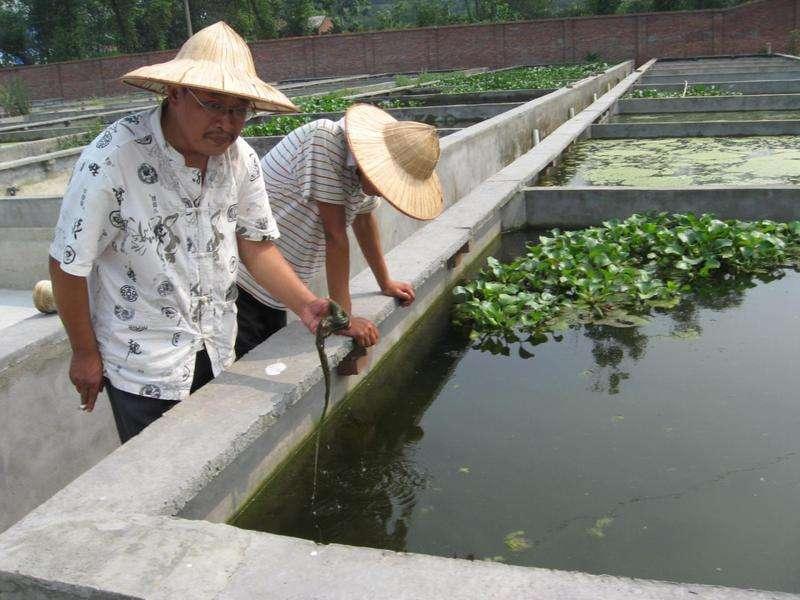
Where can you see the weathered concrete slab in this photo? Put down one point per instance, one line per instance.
(37, 168)
(32, 148)
(709, 104)
(585, 207)
(717, 77)
(40, 134)
(697, 129)
(29, 212)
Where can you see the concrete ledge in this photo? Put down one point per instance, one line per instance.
(11, 137)
(586, 207)
(29, 212)
(709, 104)
(696, 129)
(37, 168)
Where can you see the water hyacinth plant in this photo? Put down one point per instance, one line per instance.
(614, 274)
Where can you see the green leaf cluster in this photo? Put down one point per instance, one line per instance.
(692, 90)
(308, 105)
(549, 77)
(615, 273)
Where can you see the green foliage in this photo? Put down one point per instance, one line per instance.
(615, 273)
(692, 90)
(14, 98)
(281, 125)
(81, 139)
(794, 42)
(524, 78)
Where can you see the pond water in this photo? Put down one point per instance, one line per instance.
(668, 451)
(676, 162)
(693, 117)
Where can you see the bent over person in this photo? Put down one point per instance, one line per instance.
(161, 209)
(324, 177)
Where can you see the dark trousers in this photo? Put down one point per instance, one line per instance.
(132, 412)
(256, 322)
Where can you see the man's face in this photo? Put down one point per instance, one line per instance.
(209, 122)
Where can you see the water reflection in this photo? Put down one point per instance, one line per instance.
(651, 452)
(367, 458)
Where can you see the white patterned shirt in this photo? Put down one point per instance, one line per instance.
(309, 165)
(158, 245)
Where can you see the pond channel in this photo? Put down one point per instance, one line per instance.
(676, 162)
(667, 451)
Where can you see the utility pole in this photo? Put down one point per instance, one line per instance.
(188, 18)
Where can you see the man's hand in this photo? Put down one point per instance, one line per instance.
(401, 290)
(363, 331)
(313, 312)
(86, 374)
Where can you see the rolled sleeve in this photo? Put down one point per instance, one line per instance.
(84, 227)
(254, 219)
(368, 204)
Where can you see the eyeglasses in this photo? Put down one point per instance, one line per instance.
(220, 111)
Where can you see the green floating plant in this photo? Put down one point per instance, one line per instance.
(535, 78)
(692, 90)
(516, 541)
(615, 274)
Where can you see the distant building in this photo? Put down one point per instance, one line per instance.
(320, 24)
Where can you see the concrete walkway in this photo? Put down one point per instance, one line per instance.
(15, 306)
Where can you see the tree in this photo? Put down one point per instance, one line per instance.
(14, 41)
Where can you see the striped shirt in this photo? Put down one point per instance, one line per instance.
(309, 165)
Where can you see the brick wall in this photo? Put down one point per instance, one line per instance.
(739, 30)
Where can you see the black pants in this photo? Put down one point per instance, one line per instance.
(132, 412)
(256, 322)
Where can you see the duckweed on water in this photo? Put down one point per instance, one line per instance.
(674, 162)
(616, 273)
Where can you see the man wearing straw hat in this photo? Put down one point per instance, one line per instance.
(325, 177)
(161, 209)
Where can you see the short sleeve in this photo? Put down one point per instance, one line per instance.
(321, 168)
(254, 219)
(85, 226)
(368, 204)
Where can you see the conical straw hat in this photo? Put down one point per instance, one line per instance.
(215, 59)
(398, 157)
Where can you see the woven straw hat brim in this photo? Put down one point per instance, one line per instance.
(211, 77)
(417, 198)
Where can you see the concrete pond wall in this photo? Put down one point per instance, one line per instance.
(115, 532)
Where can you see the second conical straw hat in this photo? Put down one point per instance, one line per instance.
(215, 59)
(398, 157)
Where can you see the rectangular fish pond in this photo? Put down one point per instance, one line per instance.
(678, 162)
(667, 450)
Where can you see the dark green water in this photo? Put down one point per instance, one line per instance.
(669, 451)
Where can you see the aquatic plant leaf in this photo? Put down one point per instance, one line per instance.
(615, 274)
(516, 541)
(598, 530)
